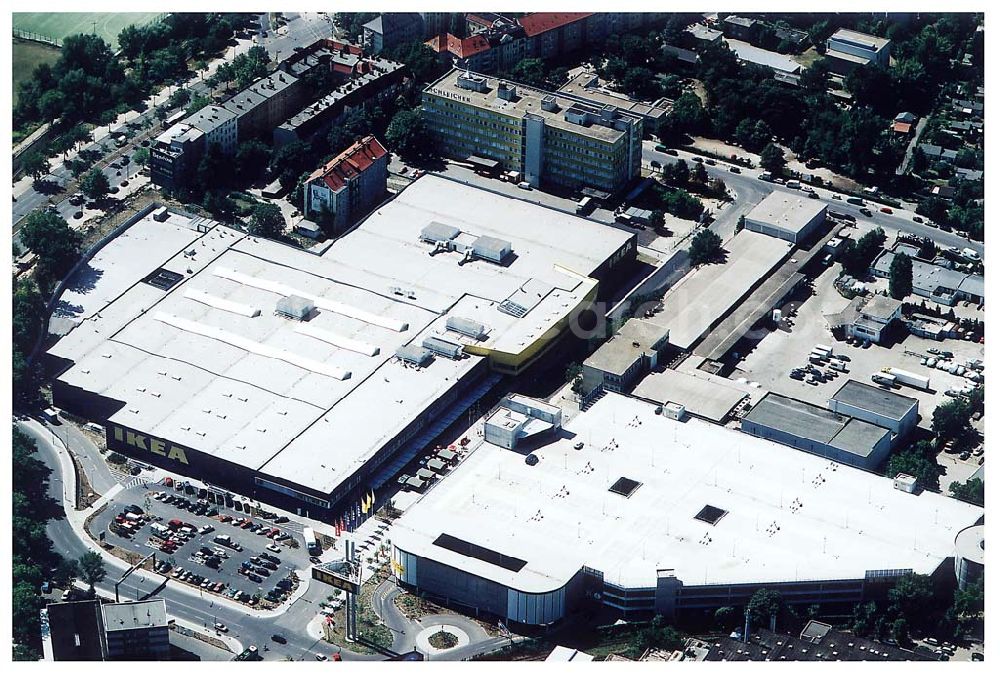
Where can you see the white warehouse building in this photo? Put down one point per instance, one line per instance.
(654, 515)
(788, 216)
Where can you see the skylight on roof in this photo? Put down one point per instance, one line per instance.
(623, 486)
(711, 514)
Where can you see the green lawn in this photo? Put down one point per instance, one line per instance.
(27, 56)
(60, 24)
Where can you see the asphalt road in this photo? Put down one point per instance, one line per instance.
(185, 603)
(750, 190)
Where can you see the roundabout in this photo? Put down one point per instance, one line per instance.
(440, 638)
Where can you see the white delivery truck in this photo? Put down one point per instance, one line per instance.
(309, 538)
(910, 379)
(826, 350)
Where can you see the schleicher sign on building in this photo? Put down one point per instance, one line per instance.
(152, 445)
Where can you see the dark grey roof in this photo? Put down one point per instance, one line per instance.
(797, 418)
(209, 118)
(859, 437)
(875, 400)
(835, 645)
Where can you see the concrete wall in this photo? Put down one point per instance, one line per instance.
(818, 448)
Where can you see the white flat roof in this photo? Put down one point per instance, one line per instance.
(706, 294)
(701, 396)
(151, 613)
(789, 515)
(199, 366)
(789, 211)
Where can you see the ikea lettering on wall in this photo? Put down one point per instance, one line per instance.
(151, 444)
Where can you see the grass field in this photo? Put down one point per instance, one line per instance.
(26, 56)
(60, 24)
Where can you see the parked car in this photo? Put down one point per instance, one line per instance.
(865, 211)
(279, 639)
(885, 210)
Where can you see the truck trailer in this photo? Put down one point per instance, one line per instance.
(910, 379)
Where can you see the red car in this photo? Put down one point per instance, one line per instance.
(886, 210)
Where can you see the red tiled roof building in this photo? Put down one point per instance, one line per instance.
(349, 185)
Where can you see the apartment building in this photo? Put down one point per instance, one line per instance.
(263, 105)
(349, 185)
(548, 138)
(371, 81)
(496, 43)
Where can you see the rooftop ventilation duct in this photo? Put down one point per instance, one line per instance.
(414, 355)
(506, 91)
(466, 327)
(295, 307)
(440, 346)
(471, 81)
(549, 104)
(492, 248)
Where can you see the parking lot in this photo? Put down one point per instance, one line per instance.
(770, 362)
(232, 553)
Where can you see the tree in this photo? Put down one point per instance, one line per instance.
(910, 596)
(92, 571)
(918, 461)
(656, 219)
(706, 247)
(531, 71)
(677, 172)
(215, 169)
(141, 156)
(901, 631)
(289, 161)
(971, 491)
(969, 603)
(688, 114)
(266, 221)
(763, 605)
(772, 158)
(57, 245)
(66, 571)
(700, 174)
(901, 276)
(752, 134)
(418, 58)
(407, 135)
(35, 165)
(725, 617)
(94, 184)
(251, 159)
(951, 419)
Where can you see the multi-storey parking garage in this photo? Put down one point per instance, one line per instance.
(302, 379)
